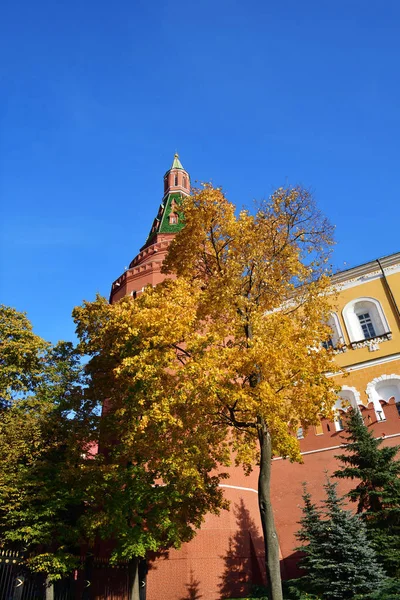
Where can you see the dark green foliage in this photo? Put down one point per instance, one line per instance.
(377, 493)
(389, 591)
(339, 560)
(46, 428)
(21, 353)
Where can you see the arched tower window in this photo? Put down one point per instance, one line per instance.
(365, 319)
(176, 179)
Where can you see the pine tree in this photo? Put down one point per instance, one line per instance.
(338, 557)
(377, 492)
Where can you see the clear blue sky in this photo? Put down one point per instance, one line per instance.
(97, 96)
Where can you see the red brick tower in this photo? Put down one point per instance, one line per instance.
(145, 268)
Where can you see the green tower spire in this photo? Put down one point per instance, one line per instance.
(177, 163)
(169, 216)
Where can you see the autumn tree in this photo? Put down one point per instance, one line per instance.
(46, 427)
(261, 294)
(157, 465)
(227, 353)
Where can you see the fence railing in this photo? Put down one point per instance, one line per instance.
(101, 581)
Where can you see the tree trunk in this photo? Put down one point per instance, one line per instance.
(133, 578)
(271, 543)
(49, 589)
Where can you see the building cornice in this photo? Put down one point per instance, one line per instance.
(367, 271)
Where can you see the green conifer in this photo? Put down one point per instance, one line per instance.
(377, 492)
(339, 560)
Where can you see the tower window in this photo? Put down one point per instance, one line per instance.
(173, 219)
(366, 325)
(176, 179)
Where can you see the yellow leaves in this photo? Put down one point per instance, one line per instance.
(192, 365)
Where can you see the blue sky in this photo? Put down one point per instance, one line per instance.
(96, 97)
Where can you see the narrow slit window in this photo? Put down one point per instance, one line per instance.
(176, 179)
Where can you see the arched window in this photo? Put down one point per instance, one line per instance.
(336, 340)
(381, 390)
(176, 179)
(365, 319)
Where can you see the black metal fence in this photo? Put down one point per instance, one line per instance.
(101, 581)
(16, 582)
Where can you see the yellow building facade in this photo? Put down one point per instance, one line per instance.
(366, 333)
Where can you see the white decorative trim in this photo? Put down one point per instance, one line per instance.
(372, 384)
(367, 272)
(237, 487)
(373, 343)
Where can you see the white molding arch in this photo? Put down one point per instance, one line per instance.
(352, 396)
(349, 395)
(382, 389)
(337, 332)
(373, 307)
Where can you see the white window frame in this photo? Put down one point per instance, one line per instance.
(365, 305)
